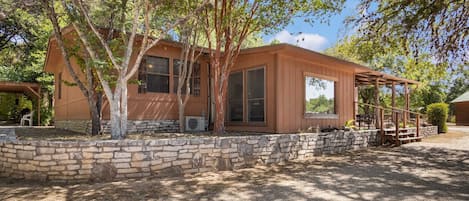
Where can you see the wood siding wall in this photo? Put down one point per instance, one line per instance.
(158, 106)
(161, 106)
(290, 83)
(284, 90)
(461, 111)
(72, 105)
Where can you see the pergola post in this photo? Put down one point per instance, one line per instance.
(377, 103)
(39, 107)
(406, 113)
(355, 100)
(393, 98)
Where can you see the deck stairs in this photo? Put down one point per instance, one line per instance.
(404, 135)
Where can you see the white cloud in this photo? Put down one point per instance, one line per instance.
(310, 41)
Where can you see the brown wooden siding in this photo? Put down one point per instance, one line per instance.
(73, 105)
(285, 68)
(164, 105)
(291, 94)
(461, 110)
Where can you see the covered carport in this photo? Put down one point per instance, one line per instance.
(33, 90)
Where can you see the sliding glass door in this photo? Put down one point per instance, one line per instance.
(246, 96)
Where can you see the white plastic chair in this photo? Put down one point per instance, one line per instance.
(27, 117)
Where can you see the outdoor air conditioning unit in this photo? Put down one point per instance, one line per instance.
(195, 123)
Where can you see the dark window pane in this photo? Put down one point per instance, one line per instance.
(176, 84)
(176, 63)
(196, 87)
(235, 97)
(256, 110)
(255, 82)
(196, 70)
(255, 90)
(236, 110)
(194, 82)
(235, 86)
(158, 83)
(157, 65)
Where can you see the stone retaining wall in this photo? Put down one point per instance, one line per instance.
(112, 159)
(428, 131)
(134, 126)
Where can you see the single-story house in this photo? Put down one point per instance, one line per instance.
(461, 109)
(277, 88)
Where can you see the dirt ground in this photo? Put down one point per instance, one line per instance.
(435, 169)
(50, 133)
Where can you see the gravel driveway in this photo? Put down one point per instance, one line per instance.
(435, 169)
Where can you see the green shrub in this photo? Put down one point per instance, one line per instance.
(437, 115)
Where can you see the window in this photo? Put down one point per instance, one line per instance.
(59, 85)
(255, 90)
(319, 96)
(157, 74)
(235, 97)
(194, 81)
(249, 98)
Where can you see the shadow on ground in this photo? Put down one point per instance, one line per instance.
(404, 173)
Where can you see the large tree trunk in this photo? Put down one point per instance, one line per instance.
(124, 110)
(115, 119)
(219, 125)
(181, 114)
(221, 85)
(99, 107)
(95, 118)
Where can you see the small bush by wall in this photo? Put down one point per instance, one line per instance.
(437, 115)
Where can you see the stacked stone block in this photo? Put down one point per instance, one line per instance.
(71, 161)
(428, 131)
(133, 126)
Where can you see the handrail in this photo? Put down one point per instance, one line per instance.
(389, 108)
(394, 111)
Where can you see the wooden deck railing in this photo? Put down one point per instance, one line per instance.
(395, 119)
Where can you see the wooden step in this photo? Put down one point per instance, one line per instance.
(400, 134)
(410, 138)
(394, 129)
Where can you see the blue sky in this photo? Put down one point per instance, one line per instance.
(318, 36)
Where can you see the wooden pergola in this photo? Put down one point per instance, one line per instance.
(377, 79)
(32, 90)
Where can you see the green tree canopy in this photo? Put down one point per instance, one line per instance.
(436, 27)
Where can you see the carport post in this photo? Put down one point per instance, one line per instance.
(377, 121)
(39, 109)
(406, 113)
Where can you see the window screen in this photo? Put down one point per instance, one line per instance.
(157, 74)
(194, 81)
(235, 97)
(255, 91)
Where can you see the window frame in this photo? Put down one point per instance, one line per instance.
(308, 115)
(247, 96)
(148, 72)
(228, 111)
(175, 78)
(245, 120)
